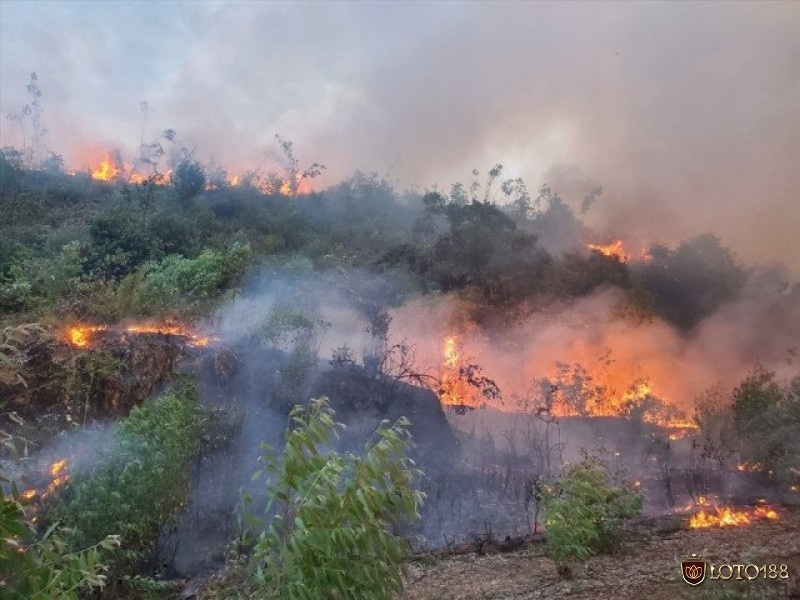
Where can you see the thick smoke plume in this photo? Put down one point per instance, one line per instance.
(685, 114)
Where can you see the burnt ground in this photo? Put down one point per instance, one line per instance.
(646, 568)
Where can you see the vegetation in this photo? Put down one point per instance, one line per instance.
(43, 566)
(766, 417)
(139, 481)
(72, 246)
(585, 509)
(331, 516)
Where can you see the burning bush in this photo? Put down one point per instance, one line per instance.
(584, 510)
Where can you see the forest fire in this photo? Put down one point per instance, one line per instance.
(80, 336)
(728, 517)
(191, 338)
(58, 477)
(83, 336)
(615, 249)
(454, 390)
(107, 170)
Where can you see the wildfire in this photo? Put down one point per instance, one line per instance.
(453, 389)
(615, 249)
(172, 330)
(58, 477)
(106, 171)
(80, 336)
(728, 517)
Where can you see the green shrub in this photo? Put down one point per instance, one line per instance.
(140, 479)
(189, 179)
(585, 509)
(766, 417)
(44, 568)
(331, 536)
(190, 284)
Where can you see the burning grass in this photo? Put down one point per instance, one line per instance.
(726, 516)
(85, 336)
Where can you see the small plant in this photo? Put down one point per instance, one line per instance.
(140, 480)
(332, 515)
(44, 568)
(585, 509)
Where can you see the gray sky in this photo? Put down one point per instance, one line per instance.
(687, 113)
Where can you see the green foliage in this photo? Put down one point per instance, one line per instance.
(484, 250)
(585, 509)
(331, 533)
(189, 179)
(189, 284)
(15, 290)
(140, 479)
(119, 244)
(690, 282)
(767, 421)
(300, 337)
(45, 568)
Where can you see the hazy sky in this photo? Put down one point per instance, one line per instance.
(687, 113)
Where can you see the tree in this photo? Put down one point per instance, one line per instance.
(32, 113)
(189, 179)
(291, 168)
(766, 417)
(689, 283)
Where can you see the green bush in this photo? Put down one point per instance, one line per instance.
(140, 479)
(331, 533)
(766, 417)
(45, 568)
(585, 510)
(190, 284)
(189, 179)
(42, 567)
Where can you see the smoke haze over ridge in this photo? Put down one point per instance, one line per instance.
(686, 114)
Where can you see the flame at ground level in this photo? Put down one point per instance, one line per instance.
(728, 517)
(58, 475)
(82, 336)
(172, 330)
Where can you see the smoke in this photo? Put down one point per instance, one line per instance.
(685, 114)
(616, 345)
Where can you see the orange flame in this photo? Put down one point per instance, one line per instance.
(172, 330)
(59, 476)
(453, 389)
(106, 170)
(615, 249)
(80, 336)
(728, 517)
